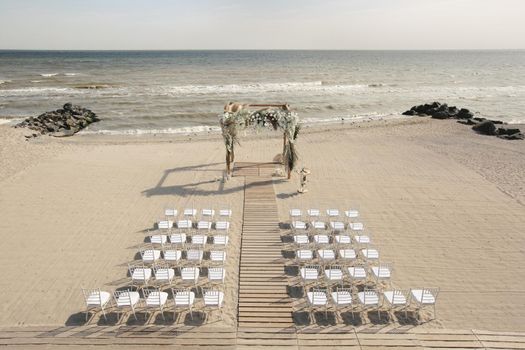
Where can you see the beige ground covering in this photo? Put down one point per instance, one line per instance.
(444, 205)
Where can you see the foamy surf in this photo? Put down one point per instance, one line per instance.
(182, 130)
(200, 129)
(48, 75)
(316, 86)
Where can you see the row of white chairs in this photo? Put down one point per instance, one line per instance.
(335, 239)
(154, 299)
(327, 255)
(183, 239)
(313, 213)
(318, 225)
(358, 274)
(163, 274)
(189, 225)
(369, 299)
(173, 213)
(190, 254)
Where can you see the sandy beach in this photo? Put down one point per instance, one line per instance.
(445, 206)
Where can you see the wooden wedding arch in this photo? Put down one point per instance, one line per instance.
(237, 117)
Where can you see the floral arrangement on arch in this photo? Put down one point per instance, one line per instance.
(234, 120)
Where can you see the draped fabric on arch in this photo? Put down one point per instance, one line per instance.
(237, 117)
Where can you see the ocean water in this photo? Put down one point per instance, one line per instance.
(181, 91)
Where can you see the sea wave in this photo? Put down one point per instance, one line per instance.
(249, 88)
(216, 129)
(181, 130)
(4, 81)
(37, 91)
(48, 75)
(10, 120)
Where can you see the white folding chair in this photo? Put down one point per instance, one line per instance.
(171, 254)
(225, 213)
(149, 254)
(204, 225)
(126, 299)
(220, 240)
(170, 213)
(333, 275)
(321, 239)
(208, 214)
(357, 274)
(369, 253)
(318, 225)
(183, 299)
(317, 300)
(194, 254)
(178, 238)
(190, 274)
(96, 299)
(304, 256)
(216, 275)
(369, 299)
(213, 299)
(332, 213)
(382, 272)
(185, 225)
(326, 256)
(301, 240)
(309, 274)
(295, 214)
(351, 214)
(223, 226)
(155, 299)
(298, 226)
(424, 297)
(343, 239)
(190, 212)
(362, 239)
(356, 226)
(337, 226)
(346, 255)
(140, 275)
(165, 224)
(199, 240)
(313, 214)
(217, 256)
(396, 299)
(342, 299)
(158, 239)
(164, 274)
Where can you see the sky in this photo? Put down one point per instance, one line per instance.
(266, 24)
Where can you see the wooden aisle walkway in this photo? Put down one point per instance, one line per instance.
(263, 298)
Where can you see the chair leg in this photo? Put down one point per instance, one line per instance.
(104, 314)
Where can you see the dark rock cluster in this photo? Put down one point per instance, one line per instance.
(440, 111)
(483, 126)
(63, 122)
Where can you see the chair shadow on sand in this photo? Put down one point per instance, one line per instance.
(193, 188)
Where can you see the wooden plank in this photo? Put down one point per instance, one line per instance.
(262, 282)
